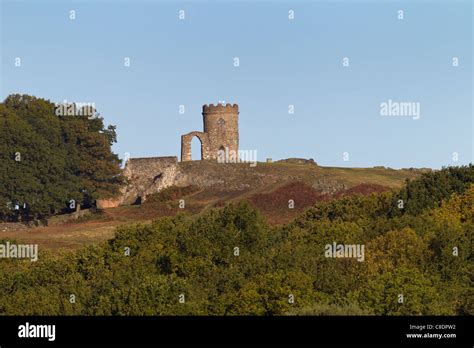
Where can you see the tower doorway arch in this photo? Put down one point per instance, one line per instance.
(186, 140)
(196, 148)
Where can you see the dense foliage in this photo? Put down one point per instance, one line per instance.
(48, 160)
(230, 262)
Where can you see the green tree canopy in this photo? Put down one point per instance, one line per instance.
(49, 160)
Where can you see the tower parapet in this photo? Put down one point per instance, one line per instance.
(219, 108)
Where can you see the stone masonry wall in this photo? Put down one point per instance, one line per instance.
(149, 175)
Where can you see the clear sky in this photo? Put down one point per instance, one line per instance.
(283, 62)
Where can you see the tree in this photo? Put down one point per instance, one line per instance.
(51, 164)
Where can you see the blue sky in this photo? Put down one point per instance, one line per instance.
(190, 62)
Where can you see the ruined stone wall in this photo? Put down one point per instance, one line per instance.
(221, 131)
(149, 175)
(146, 176)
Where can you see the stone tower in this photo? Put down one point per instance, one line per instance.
(221, 132)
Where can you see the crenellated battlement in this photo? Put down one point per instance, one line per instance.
(220, 108)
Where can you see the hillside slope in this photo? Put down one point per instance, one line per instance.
(267, 186)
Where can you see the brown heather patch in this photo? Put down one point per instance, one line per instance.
(362, 189)
(275, 205)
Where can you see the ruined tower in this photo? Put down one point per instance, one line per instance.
(221, 132)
